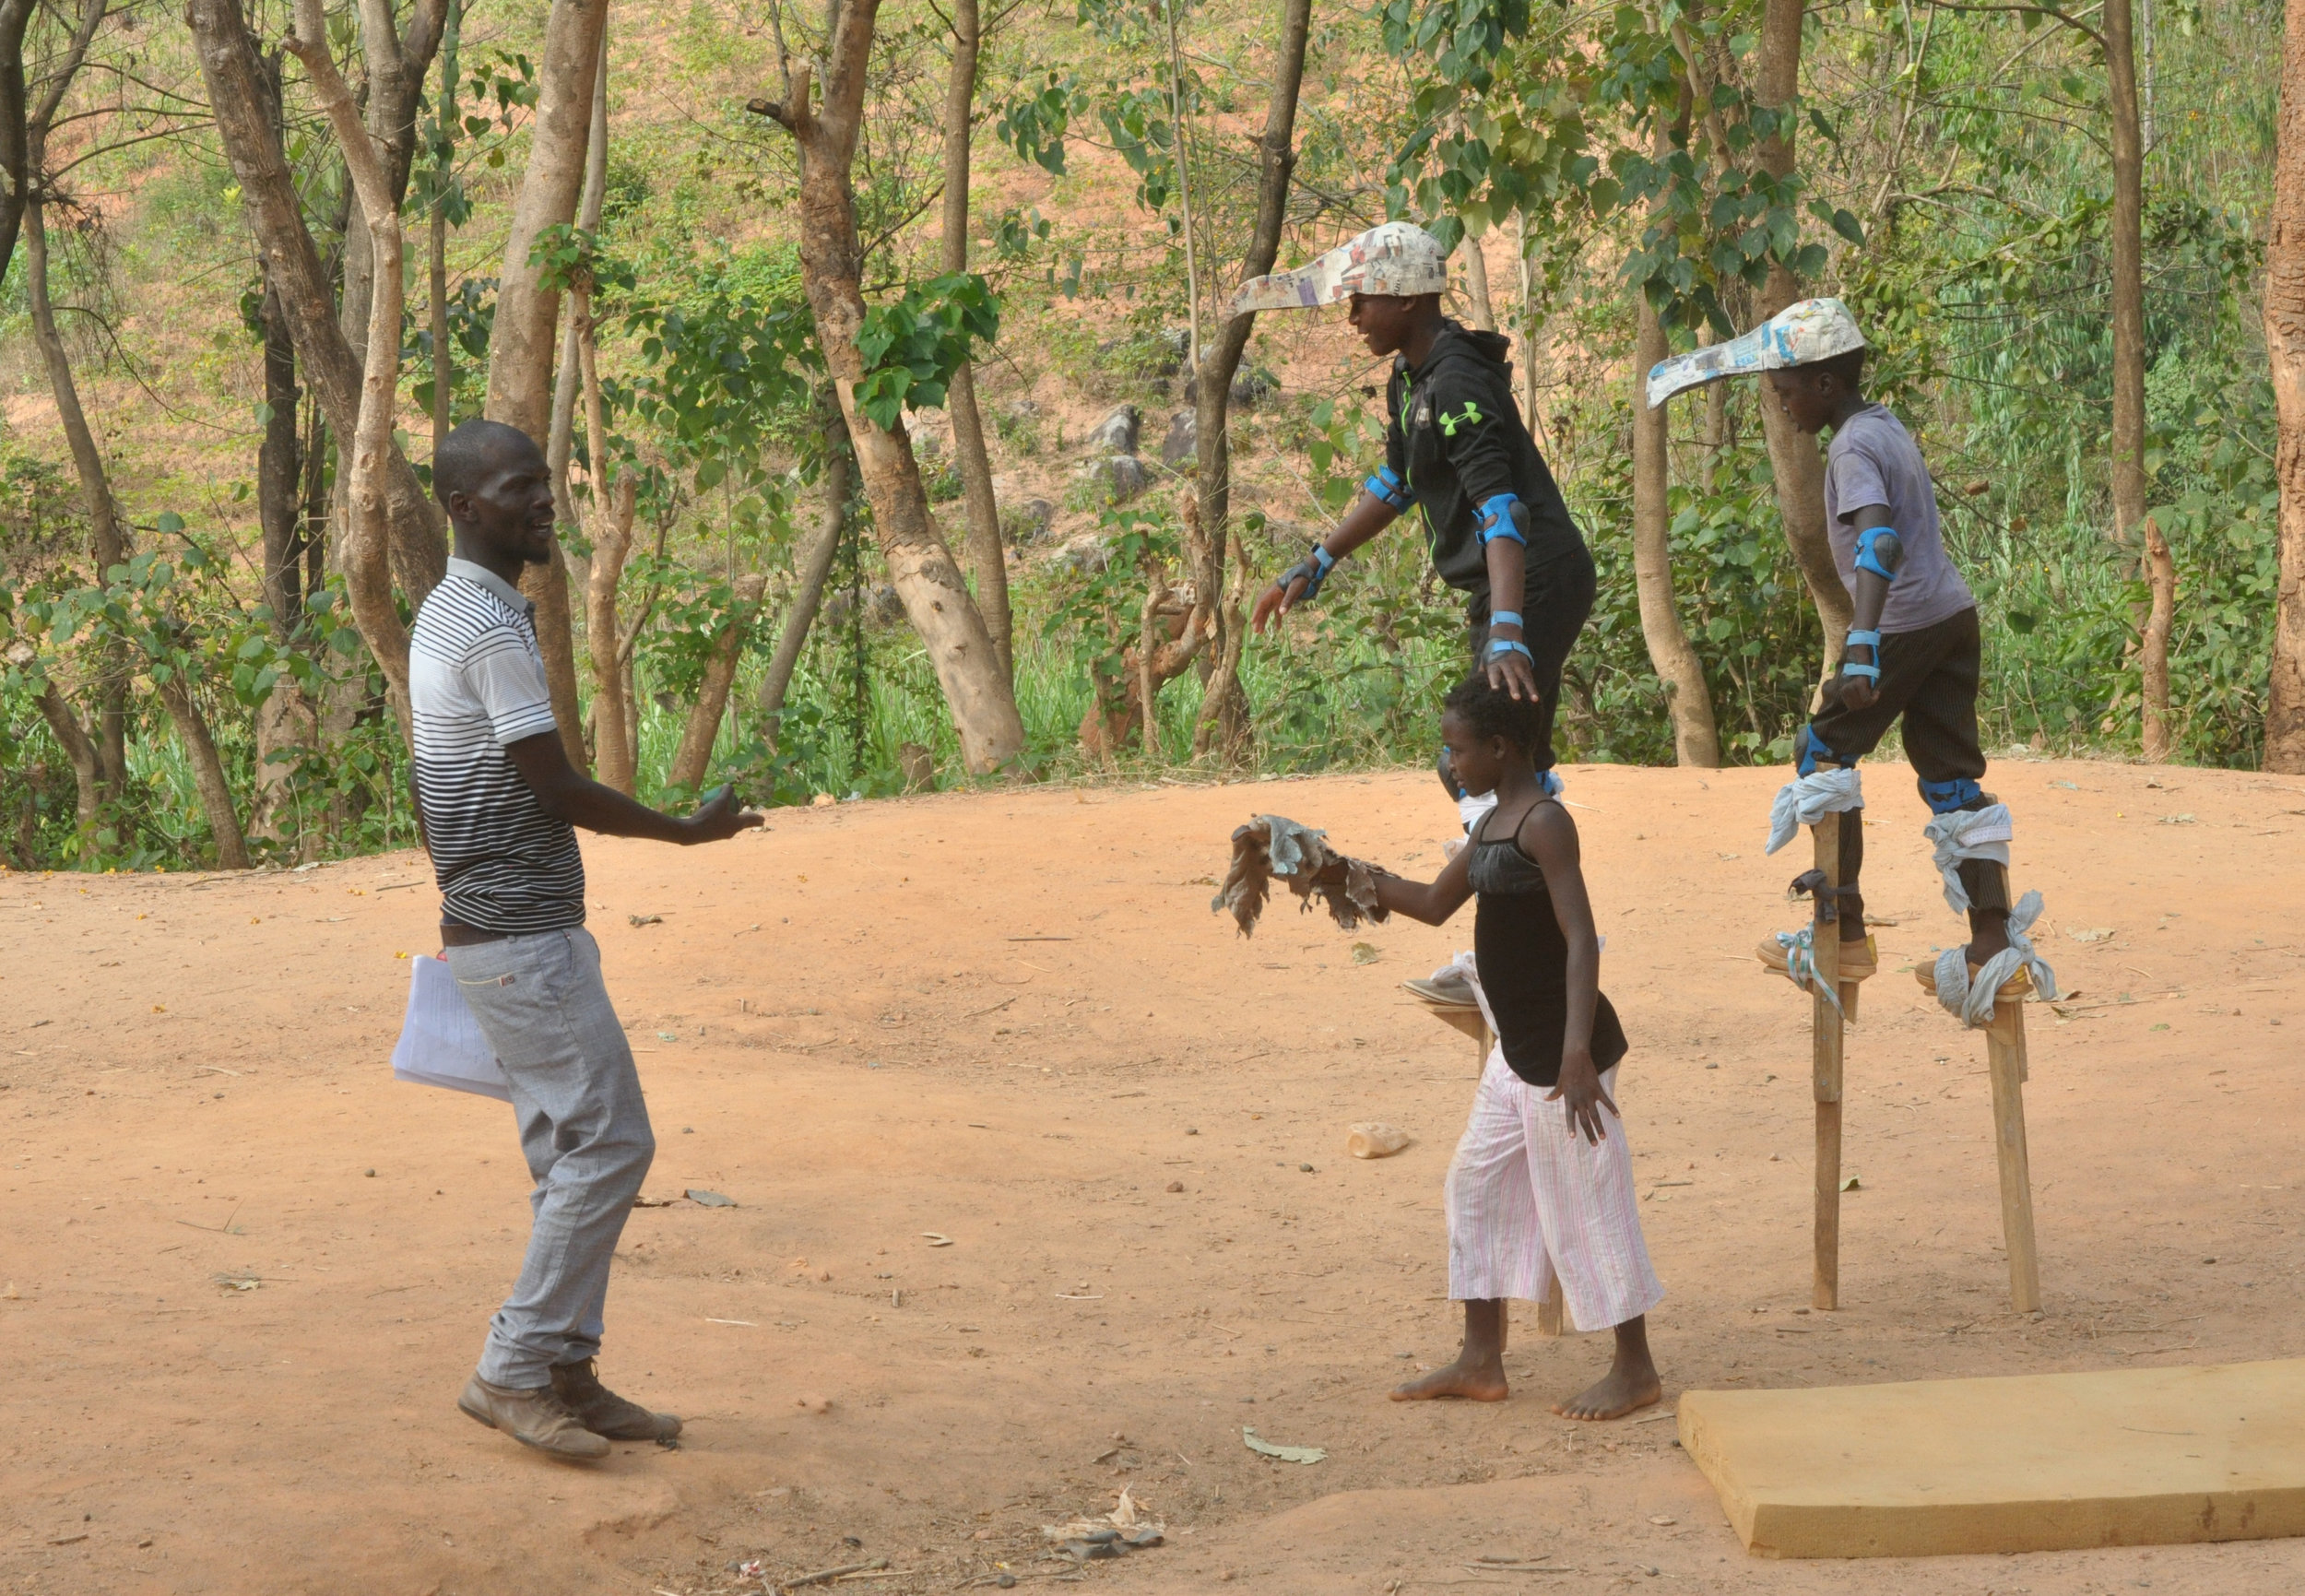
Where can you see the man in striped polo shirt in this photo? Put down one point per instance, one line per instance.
(498, 800)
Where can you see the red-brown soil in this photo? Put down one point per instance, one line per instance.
(842, 1030)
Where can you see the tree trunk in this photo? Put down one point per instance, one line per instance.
(208, 772)
(1477, 286)
(611, 524)
(1224, 707)
(1695, 740)
(367, 568)
(16, 177)
(937, 601)
(988, 562)
(2128, 295)
(269, 195)
(108, 534)
(815, 566)
(562, 446)
(279, 510)
(520, 349)
(108, 541)
(1795, 462)
(88, 772)
(694, 756)
(2284, 344)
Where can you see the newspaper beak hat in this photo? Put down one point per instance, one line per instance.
(1810, 330)
(1397, 258)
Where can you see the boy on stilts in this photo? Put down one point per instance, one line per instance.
(1455, 445)
(1912, 654)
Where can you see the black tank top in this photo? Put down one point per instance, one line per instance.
(1524, 963)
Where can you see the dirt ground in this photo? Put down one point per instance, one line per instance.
(1010, 1020)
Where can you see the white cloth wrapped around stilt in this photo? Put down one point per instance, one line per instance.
(1801, 964)
(1970, 1001)
(1806, 799)
(1968, 834)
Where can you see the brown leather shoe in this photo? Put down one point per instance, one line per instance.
(604, 1412)
(535, 1418)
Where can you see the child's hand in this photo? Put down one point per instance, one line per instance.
(1580, 1088)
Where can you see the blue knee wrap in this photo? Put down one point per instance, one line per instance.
(1945, 798)
(1811, 751)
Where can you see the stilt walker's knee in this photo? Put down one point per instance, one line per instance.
(1945, 798)
(1810, 751)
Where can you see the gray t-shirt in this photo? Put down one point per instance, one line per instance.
(1873, 460)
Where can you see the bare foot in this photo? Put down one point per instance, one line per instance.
(1482, 1382)
(1612, 1397)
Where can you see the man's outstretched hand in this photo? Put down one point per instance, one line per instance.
(721, 816)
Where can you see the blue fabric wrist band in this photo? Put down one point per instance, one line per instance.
(1322, 558)
(1507, 618)
(1850, 667)
(1865, 640)
(1506, 645)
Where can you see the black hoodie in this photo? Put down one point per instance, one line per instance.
(1456, 437)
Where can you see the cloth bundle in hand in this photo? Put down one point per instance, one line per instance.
(1273, 846)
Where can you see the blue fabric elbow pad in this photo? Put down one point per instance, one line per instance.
(1386, 486)
(1872, 556)
(1501, 515)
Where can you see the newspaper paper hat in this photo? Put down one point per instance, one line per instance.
(1810, 330)
(1397, 258)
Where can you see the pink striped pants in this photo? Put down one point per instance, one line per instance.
(1529, 1200)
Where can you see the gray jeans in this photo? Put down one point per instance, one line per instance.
(583, 1128)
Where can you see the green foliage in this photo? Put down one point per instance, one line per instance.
(912, 345)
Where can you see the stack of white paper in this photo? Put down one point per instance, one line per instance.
(440, 1043)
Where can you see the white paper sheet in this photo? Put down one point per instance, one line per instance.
(440, 1043)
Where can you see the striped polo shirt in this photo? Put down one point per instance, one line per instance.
(476, 686)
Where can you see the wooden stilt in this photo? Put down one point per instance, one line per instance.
(1550, 1316)
(2005, 1055)
(1825, 1024)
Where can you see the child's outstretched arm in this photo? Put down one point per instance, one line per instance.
(1430, 902)
(1301, 583)
(1550, 837)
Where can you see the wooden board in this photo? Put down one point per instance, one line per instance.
(2037, 1462)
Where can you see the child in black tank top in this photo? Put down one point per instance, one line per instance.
(1541, 1184)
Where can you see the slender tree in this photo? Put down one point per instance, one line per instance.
(368, 582)
(1689, 702)
(1224, 722)
(2284, 344)
(2129, 521)
(234, 75)
(527, 310)
(937, 602)
(1795, 462)
(986, 560)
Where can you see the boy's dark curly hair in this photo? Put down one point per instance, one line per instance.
(1495, 712)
